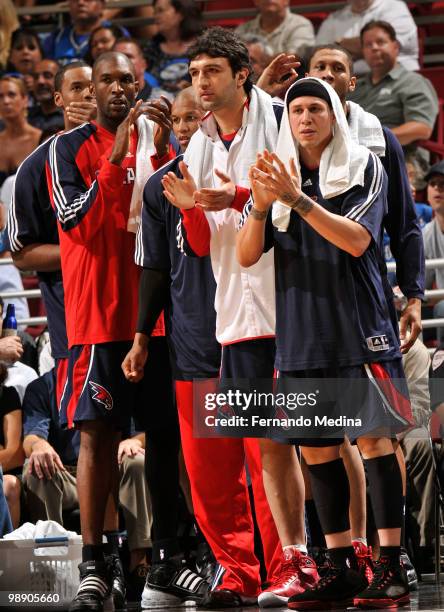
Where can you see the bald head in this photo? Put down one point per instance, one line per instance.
(186, 114)
(116, 88)
(112, 58)
(187, 96)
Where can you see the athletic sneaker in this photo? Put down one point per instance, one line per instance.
(389, 587)
(319, 554)
(412, 576)
(296, 573)
(94, 588)
(118, 587)
(172, 584)
(225, 598)
(205, 562)
(335, 589)
(364, 556)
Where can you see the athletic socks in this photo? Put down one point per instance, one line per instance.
(113, 542)
(164, 550)
(92, 552)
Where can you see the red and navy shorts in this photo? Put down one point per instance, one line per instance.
(382, 405)
(96, 388)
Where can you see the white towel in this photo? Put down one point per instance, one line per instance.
(343, 162)
(144, 169)
(365, 129)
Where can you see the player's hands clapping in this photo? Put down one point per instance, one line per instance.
(81, 112)
(279, 75)
(11, 349)
(218, 198)
(159, 111)
(180, 192)
(270, 173)
(122, 140)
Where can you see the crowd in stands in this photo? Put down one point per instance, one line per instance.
(38, 458)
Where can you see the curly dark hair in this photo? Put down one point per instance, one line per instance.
(219, 42)
(192, 23)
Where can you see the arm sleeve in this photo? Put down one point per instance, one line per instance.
(367, 204)
(37, 409)
(401, 222)
(193, 233)
(73, 199)
(153, 296)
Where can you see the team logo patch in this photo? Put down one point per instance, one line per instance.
(101, 395)
(378, 343)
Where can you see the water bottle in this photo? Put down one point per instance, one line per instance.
(9, 322)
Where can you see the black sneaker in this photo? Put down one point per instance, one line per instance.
(412, 576)
(205, 562)
(118, 587)
(335, 589)
(94, 587)
(173, 584)
(389, 587)
(225, 598)
(319, 554)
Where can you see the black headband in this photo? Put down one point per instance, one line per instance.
(308, 87)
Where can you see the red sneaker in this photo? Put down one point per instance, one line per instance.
(297, 573)
(364, 556)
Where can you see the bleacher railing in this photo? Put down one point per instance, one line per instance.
(430, 264)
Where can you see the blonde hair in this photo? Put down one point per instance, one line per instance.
(8, 23)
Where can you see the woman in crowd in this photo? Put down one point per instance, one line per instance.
(25, 137)
(8, 23)
(26, 52)
(11, 451)
(178, 23)
(102, 39)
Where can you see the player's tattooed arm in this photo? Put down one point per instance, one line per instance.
(302, 204)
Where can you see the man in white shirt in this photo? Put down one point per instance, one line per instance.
(284, 31)
(343, 26)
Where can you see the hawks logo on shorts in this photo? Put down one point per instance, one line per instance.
(101, 395)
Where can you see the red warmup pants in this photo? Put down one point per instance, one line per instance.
(216, 469)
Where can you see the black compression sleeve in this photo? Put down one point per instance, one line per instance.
(153, 296)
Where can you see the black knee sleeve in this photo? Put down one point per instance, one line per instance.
(331, 493)
(385, 488)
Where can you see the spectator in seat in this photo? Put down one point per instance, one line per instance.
(9, 22)
(102, 39)
(5, 517)
(284, 31)
(71, 42)
(148, 84)
(26, 52)
(344, 27)
(45, 115)
(11, 451)
(49, 474)
(418, 456)
(178, 23)
(404, 101)
(434, 236)
(19, 138)
(260, 51)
